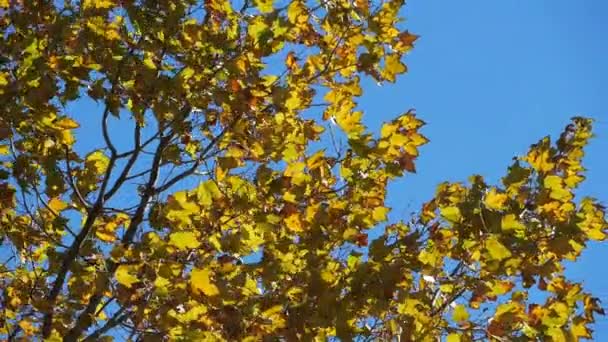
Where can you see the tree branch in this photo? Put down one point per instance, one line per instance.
(85, 318)
(125, 172)
(117, 319)
(72, 253)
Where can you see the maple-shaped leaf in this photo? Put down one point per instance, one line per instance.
(200, 282)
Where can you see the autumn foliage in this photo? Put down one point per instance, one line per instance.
(231, 185)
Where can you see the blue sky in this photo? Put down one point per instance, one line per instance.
(492, 77)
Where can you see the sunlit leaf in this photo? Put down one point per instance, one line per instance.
(200, 282)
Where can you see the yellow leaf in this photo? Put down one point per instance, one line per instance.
(66, 138)
(539, 157)
(510, 222)
(257, 29)
(188, 206)
(328, 276)
(349, 122)
(97, 4)
(556, 186)
(350, 233)
(293, 222)
(149, 61)
(460, 314)
(275, 314)
(294, 169)
(206, 192)
(97, 161)
(200, 282)
(184, 240)
(453, 337)
(4, 150)
(66, 123)
(27, 327)
(379, 213)
(251, 287)
(124, 277)
(556, 334)
(496, 249)
(430, 258)
(106, 232)
(494, 200)
(316, 160)
(393, 67)
(57, 205)
(265, 6)
(597, 235)
(451, 214)
(297, 12)
(290, 197)
(388, 129)
(579, 329)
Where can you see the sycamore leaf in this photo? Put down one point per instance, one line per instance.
(379, 213)
(57, 205)
(184, 240)
(394, 67)
(265, 6)
(460, 314)
(106, 232)
(293, 222)
(451, 214)
(206, 192)
(539, 156)
(66, 123)
(407, 38)
(200, 282)
(556, 185)
(98, 162)
(510, 222)
(297, 12)
(124, 276)
(97, 4)
(453, 337)
(258, 29)
(497, 250)
(579, 330)
(149, 61)
(495, 200)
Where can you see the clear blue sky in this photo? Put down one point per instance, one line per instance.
(492, 77)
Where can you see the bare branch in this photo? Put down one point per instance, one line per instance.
(125, 172)
(117, 319)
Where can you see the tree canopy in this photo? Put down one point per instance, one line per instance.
(233, 186)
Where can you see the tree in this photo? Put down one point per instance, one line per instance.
(233, 186)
